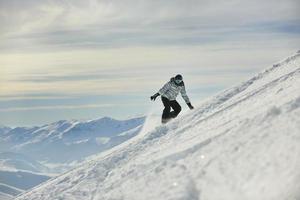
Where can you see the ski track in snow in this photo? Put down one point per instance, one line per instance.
(242, 144)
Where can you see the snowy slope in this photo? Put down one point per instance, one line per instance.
(9, 190)
(15, 182)
(243, 144)
(19, 172)
(11, 161)
(4, 196)
(21, 180)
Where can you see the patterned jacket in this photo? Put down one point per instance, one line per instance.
(170, 90)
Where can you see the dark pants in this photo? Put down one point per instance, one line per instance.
(167, 114)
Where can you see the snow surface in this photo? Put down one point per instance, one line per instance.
(4, 196)
(10, 161)
(21, 180)
(9, 190)
(242, 144)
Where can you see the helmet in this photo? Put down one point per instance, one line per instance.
(178, 79)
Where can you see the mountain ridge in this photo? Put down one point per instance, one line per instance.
(41, 152)
(36, 141)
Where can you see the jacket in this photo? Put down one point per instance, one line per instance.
(170, 90)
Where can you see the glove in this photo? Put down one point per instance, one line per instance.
(154, 97)
(190, 106)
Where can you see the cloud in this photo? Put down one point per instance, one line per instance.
(133, 70)
(101, 23)
(55, 50)
(56, 107)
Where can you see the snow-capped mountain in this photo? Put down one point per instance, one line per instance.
(54, 148)
(4, 130)
(242, 144)
(66, 141)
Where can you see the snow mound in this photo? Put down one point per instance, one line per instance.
(242, 144)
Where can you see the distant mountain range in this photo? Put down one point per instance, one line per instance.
(34, 152)
(67, 141)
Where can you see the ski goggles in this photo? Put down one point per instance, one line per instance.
(178, 81)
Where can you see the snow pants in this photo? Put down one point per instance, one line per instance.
(167, 114)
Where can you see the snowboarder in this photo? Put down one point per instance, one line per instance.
(168, 94)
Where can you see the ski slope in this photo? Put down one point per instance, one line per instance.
(242, 144)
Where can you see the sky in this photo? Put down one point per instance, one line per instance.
(85, 59)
